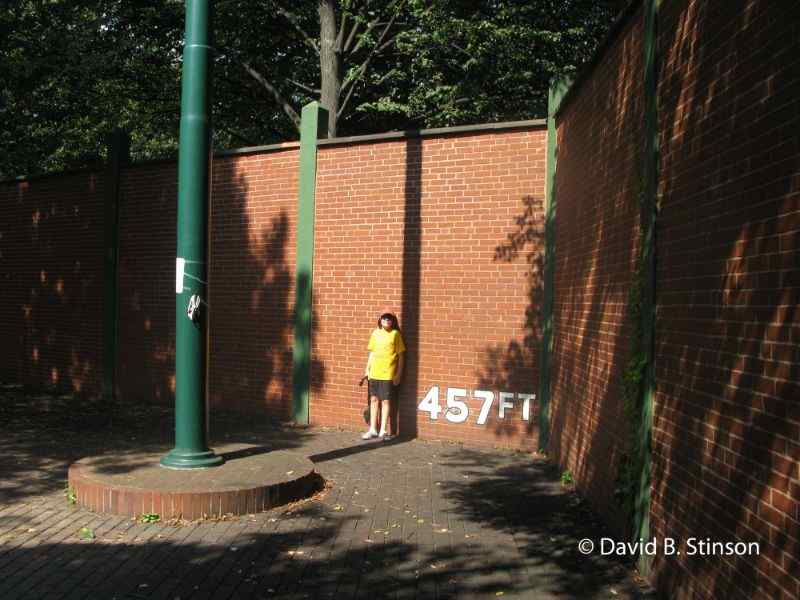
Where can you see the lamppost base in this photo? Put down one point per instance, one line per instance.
(177, 459)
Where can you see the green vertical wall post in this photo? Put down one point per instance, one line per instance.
(191, 450)
(649, 207)
(118, 144)
(558, 88)
(313, 126)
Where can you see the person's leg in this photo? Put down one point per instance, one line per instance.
(373, 414)
(384, 418)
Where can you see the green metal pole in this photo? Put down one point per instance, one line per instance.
(191, 450)
(648, 214)
(558, 88)
(313, 126)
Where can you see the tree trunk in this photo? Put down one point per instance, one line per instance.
(329, 63)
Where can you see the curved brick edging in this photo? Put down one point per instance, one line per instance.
(241, 486)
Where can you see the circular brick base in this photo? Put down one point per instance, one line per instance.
(252, 479)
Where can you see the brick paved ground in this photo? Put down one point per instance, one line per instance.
(402, 519)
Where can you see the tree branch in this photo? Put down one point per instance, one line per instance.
(372, 25)
(340, 35)
(351, 37)
(292, 18)
(304, 87)
(379, 45)
(287, 108)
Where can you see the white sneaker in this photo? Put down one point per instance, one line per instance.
(369, 435)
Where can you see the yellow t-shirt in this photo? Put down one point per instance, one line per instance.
(386, 347)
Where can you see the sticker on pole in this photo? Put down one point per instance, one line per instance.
(180, 263)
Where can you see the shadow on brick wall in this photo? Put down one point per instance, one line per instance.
(411, 282)
(515, 366)
(52, 258)
(597, 191)
(250, 293)
(252, 297)
(727, 420)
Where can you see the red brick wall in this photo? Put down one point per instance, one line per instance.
(446, 233)
(726, 440)
(254, 203)
(252, 281)
(597, 222)
(727, 407)
(443, 230)
(147, 242)
(51, 286)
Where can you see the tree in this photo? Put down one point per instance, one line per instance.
(344, 36)
(73, 70)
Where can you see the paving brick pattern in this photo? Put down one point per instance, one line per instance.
(401, 519)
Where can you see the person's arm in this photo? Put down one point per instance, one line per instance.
(398, 375)
(369, 363)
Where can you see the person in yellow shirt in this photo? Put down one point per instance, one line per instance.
(384, 371)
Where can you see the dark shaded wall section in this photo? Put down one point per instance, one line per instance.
(51, 282)
(726, 429)
(727, 408)
(251, 274)
(147, 245)
(597, 187)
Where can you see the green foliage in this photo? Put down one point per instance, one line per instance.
(70, 495)
(566, 478)
(85, 533)
(631, 461)
(149, 518)
(74, 70)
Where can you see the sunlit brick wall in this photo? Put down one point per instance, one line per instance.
(446, 232)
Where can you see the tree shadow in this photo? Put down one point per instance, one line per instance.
(44, 433)
(51, 254)
(492, 509)
(525, 498)
(515, 366)
(406, 410)
(597, 193)
(727, 420)
(250, 287)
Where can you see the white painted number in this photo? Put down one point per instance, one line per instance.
(430, 403)
(488, 398)
(457, 411)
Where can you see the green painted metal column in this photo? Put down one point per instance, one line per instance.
(118, 144)
(313, 126)
(648, 214)
(558, 88)
(191, 272)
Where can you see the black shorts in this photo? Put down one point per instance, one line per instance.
(382, 388)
